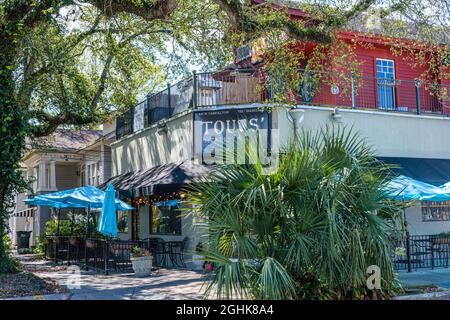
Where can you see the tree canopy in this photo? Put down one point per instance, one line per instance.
(75, 61)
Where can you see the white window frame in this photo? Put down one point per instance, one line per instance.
(389, 60)
(394, 102)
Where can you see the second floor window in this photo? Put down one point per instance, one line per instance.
(92, 174)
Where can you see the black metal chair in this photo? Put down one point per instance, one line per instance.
(177, 252)
(115, 256)
(159, 250)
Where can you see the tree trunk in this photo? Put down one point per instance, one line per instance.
(13, 126)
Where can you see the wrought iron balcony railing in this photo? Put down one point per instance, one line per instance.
(245, 86)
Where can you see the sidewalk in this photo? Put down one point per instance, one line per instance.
(439, 277)
(163, 284)
(166, 284)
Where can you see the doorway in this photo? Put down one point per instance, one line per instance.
(386, 84)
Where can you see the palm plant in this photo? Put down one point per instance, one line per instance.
(310, 230)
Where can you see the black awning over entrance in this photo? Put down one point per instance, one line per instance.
(433, 171)
(160, 179)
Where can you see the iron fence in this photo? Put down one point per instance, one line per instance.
(124, 124)
(408, 253)
(76, 250)
(96, 254)
(56, 247)
(93, 253)
(424, 251)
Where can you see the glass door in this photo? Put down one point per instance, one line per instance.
(385, 84)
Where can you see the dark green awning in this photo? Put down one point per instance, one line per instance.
(432, 171)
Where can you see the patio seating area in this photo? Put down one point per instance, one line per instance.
(108, 256)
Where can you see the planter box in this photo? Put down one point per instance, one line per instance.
(441, 240)
(91, 244)
(74, 241)
(142, 266)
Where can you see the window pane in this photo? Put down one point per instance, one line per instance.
(435, 211)
(165, 220)
(122, 221)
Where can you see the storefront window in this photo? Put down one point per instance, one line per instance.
(435, 211)
(122, 221)
(165, 219)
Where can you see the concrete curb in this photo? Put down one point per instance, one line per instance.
(54, 296)
(424, 296)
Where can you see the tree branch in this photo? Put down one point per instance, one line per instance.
(102, 81)
(148, 10)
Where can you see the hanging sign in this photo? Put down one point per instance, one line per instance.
(232, 135)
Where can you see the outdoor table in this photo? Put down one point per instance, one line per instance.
(171, 245)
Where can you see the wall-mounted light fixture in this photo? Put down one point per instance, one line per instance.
(296, 116)
(336, 115)
(162, 128)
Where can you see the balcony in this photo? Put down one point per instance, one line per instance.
(240, 87)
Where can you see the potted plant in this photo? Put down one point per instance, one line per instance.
(90, 244)
(198, 259)
(142, 261)
(209, 266)
(74, 240)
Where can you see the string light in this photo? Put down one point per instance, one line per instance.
(151, 200)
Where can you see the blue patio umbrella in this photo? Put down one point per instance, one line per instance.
(446, 186)
(82, 197)
(38, 201)
(407, 189)
(108, 222)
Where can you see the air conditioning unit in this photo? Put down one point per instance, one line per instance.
(243, 52)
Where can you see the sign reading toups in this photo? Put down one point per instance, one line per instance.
(232, 136)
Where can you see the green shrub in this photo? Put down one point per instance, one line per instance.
(7, 263)
(75, 226)
(309, 230)
(444, 234)
(71, 227)
(39, 249)
(309, 285)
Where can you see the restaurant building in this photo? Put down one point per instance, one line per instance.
(166, 141)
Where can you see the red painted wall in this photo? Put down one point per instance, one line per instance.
(405, 89)
(367, 97)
